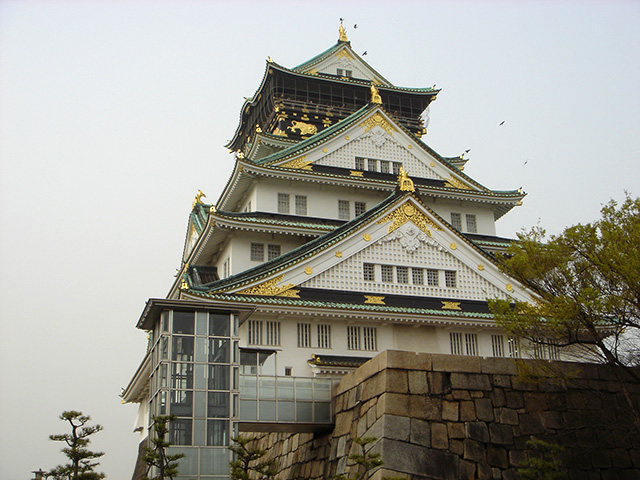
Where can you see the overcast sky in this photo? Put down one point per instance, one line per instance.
(113, 114)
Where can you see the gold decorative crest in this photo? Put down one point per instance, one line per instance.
(198, 199)
(366, 237)
(308, 270)
(453, 246)
(280, 133)
(407, 212)
(451, 305)
(375, 95)
(378, 121)
(406, 184)
(455, 183)
(480, 267)
(374, 300)
(300, 163)
(270, 288)
(355, 173)
(339, 254)
(509, 287)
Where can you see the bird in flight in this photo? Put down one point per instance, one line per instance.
(502, 122)
(365, 52)
(355, 26)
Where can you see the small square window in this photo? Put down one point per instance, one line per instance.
(432, 278)
(384, 166)
(418, 276)
(387, 273)
(288, 371)
(273, 251)
(369, 272)
(301, 204)
(402, 273)
(456, 221)
(343, 210)
(257, 252)
(472, 226)
(359, 163)
(450, 278)
(396, 167)
(372, 165)
(360, 208)
(283, 203)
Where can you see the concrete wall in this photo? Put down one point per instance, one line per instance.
(451, 417)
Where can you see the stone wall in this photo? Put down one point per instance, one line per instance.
(450, 417)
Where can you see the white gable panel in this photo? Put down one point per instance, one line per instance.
(395, 250)
(380, 145)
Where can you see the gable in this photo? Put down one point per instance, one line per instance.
(346, 59)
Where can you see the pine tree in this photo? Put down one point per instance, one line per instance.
(166, 465)
(248, 459)
(80, 466)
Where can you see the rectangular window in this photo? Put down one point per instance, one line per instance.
(361, 207)
(450, 278)
(497, 345)
(456, 343)
(348, 73)
(471, 343)
(353, 338)
(513, 347)
(304, 335)
(456, 221)
(272, 333)
(359, 163)
(283, 203)
(301, 204)
(372, 165)
(255, 332)
(384, 166)
(180, 431)
(257, 252)
(324, 336)
(273, 251)
(369, 272)
(417, 276)
(432, 278)
(472, 226)
(402, 274)
(396, 167)
(339, 72)
(387, 273)
(343, 210)
(369, 339)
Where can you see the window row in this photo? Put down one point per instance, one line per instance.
(346, 212)
(258, 250)
(465, 343)
(471, 222)
(213, 432)
(375, 165)
(362, 338)
(284, 204)
(321, 339)
(409, 275)
(263, 332)
(198, 323)
(189, 376)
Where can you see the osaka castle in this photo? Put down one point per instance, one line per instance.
(339, 235)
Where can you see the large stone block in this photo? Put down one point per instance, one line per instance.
(450, 411)
(405, 360)
(474, 451)
(393, 404)
(470, 381)
(420, 432)
(467, 470)
(417, 382)
(439, 436)
(484, 409)
(497, 457)
(507, 416)
(439, 383)
(530, 424)
(499, 365)
(396, 381)
(456, 363)
(477, 431)
(501, 434)
(425, 407)
(419, 461)
(456, 430)
(467, 411)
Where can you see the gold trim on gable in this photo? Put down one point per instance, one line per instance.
(378, 121)
(355, 173)
(375, 300)
(298, 163)
(407, 212)
(269, 288)
(450, 305)
(455, 183)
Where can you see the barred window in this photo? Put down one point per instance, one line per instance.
(255, 332)
(283, 203)
(324, 336)
(272, 333)
(353, 338)
(417, 275)
(361, 207)
(450, 278)
(369, 272)
(273, 251)
(372, 165)
(402, 274)
(471, 343)
(359, 163)
(369, 339)
(472, 226)
(257, 252)
(497, 345)
(463, 343)
(387, 273)
(456, 343)
(513, 347)
(396, 167)
(343, 210)
(304, 335)
(456, 221)
(384, 166)
(432, 278)
(301, 204)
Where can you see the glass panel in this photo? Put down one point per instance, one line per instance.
(198, 432)
(201, 323)
(218, 377)
(183, 322)
(285, 389)
(180, 432)
(267, 410)
(322, 412)
(267, 387)
(267, 363)
(164, 348)
(303, 389)
(200, 404)
(236, 325)
(163, 375)
(218, 432)
(248, 410)
(214, 461)
(249, 363)
(236, 378)
(218, 350)
(219, 324)
(182, 375)
(286, 411)
(236, 404)
(321, 390)
(201, 349)
(162, 403)
(200, 376)
(248, 386)
(165, 321)
(182, 349)
(189, 463)
(181, 404)
(218, 405)
(304, 411)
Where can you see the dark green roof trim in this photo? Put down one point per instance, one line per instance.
(199, 216)
(267, 218)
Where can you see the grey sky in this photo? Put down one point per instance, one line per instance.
(113, 114)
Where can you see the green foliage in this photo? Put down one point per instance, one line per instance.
(166, 466)
(248, 460)
(366, 461)
(80, 466)
(544, 463)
